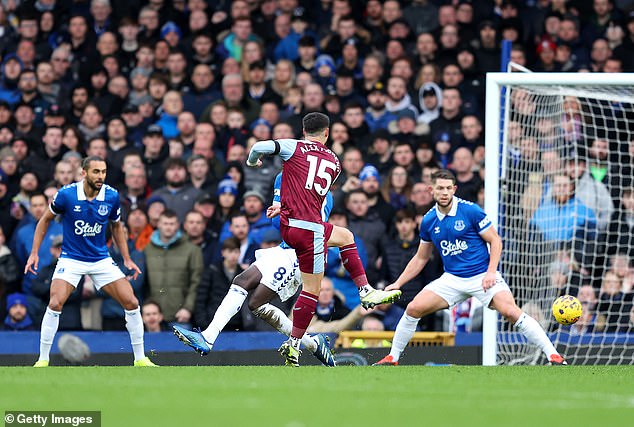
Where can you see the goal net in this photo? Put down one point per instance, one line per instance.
(560, 182)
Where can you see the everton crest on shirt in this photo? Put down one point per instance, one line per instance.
(457, 236)
(85, 221)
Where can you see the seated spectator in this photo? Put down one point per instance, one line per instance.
(389, 315)
(614, 305)
(371, 323)
(590, 320)
(152, 314)
(18, 318)
(330, 305)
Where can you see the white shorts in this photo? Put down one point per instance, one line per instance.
(101, 272)
(455, 290)
(280, 270)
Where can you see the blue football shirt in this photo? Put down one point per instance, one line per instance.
(85, 222)
(457, 236)
(277, 199)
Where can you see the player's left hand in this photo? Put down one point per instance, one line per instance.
(488, 281)
(130, 265)
(257, 164)
(272, 211)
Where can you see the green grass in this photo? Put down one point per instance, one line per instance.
(572, 396)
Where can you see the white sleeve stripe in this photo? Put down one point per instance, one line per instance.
(50, 208)
(485, 228)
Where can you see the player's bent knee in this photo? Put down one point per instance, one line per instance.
(130, 303)
(55, 304)
(414, 310)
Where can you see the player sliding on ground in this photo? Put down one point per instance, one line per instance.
(460, 230)
(274, 273)
(86, 208)
(309, 169)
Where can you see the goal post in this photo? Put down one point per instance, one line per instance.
(562, 117)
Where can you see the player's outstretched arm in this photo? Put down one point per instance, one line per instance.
(282, 147)
(118, 234)
(414, 266)
(40, 231)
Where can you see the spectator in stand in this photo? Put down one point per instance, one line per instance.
(468, 182)
(371, 184)
(195, 228)
(336, 272)
(214, 285)
(368, 227)
(153, 319)
(18, 318)
(178, 195)
(562, 215)
(174, 266)
(397, 188)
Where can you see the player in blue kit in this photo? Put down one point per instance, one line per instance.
(86, 208)
(460, 230)
(274, 273)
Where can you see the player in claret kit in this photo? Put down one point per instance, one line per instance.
(86, 208)
(309, 169)
(274, 273)
(460, 230)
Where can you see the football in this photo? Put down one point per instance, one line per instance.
(567, 309)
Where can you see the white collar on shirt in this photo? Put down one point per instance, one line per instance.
(452, 211)
(101, 196)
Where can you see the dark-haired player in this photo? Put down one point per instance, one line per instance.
(309, 169)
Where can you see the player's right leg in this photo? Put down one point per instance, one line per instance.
(260, 307)
(426, 302)
(343, 239)
(60, 291)
(203, 341)
(504, 303)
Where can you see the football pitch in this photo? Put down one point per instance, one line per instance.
(572, 396)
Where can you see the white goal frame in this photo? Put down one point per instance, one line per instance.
(493, 139)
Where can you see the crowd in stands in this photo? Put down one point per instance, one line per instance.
(174, 93)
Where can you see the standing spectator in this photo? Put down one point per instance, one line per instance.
(371, 184)
(178, 195)
(450, 117)
(467, 181)
(42, 163)
(214, 285)
(202, 91)
(195, 228)
(174, 266)
(369, 228)
(562, 216)
(38, 205)
(154, 154)
(592, 193)
(239, 228)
